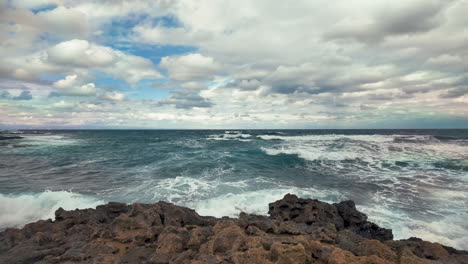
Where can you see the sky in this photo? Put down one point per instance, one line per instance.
(233, 64)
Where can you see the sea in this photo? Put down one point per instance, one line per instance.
(412, 181)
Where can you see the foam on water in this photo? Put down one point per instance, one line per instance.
(450, 230)
(231, 135)
(48, 140)
(17, 210)
(311, 152)
(413, 184)
(213, 196)
(370, 148)
(409, 172)
(205, 198)
(370, 138)
(255, 202)
(213, 193)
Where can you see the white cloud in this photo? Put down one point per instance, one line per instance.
(80, 56)
(64, 21)
(311, 62)
(69, 82)
(86, 89)
(114, 96)
(190, 67)
(132, 68)
(81, 53)
(71, 85)
(63, 105)
(33, 4)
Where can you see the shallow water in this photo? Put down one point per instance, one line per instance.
(413, 181)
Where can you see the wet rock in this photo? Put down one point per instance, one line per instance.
(308, 211)
(314, 212)
(297, 231)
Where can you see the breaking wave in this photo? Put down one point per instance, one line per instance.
(17, 210)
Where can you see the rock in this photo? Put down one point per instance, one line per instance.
(297, 231)
(308, 211)
(293, 254)
(314, 212)
(326, 234)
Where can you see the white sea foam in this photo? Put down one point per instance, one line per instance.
(214, 194)
(200, 194)
(190, 143)
(374, 149)
(231, 135)
(330, 137)
(17, 210)
(450, 230)
(218, 198)
(49, 140)
(312, 152)
(255, 202)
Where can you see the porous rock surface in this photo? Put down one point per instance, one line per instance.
(297, 231)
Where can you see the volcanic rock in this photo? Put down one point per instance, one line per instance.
(297, 231)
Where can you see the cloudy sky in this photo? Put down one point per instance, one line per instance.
(234, 64)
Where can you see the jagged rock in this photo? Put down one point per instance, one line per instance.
(314, 212)
(308, 211)
(297, 231)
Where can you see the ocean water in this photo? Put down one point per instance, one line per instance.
(412, 181)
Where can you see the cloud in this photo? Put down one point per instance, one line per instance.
(133, 69)
(113, 96)
(162, 35)
(80, 56)
(5, 95)
(234, 63)
(71, 85)
(33, 4)
(455, 92)
(186, 100)
(23, 31)
(65, 22)
(189, 67)
(64, 105)
(24, 95)
(81, 53)
(411, 17)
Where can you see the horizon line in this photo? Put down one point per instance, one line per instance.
(72, 129)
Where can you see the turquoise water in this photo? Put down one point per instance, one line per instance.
(413, 181)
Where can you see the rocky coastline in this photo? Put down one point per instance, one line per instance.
(296, 231)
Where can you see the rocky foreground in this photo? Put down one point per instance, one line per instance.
(297, 231)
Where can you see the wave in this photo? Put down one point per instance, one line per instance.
(231, 135)
(450, 230)
(330, 137)
(311, 153)
(209, 197)
(48, 140)
(17, 210)
(367, 138)
(256, 202)
(370, 148)
(214, 193)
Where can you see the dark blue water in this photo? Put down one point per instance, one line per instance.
(413, 181)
